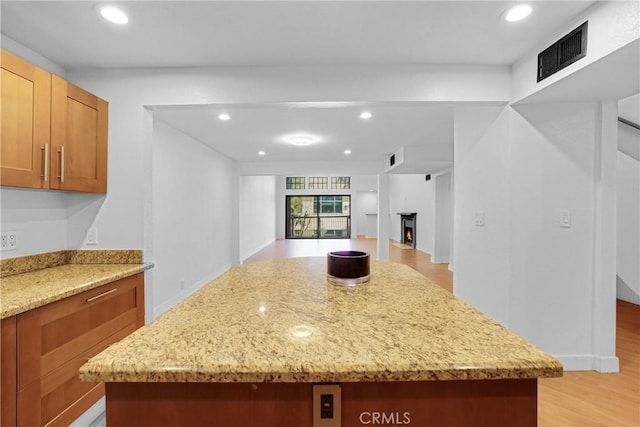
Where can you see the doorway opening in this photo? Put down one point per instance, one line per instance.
(318, 217)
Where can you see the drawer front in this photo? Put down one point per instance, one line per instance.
(58, 398)
(58, 332)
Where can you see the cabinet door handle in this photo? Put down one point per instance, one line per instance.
(104, 294)
(61, 176)
(45, 162)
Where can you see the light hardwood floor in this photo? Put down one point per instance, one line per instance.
(578, 399)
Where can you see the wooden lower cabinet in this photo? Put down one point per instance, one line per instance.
(52, 342)
(8, 378)
(477, 403)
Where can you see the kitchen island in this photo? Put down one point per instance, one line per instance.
(247, 349)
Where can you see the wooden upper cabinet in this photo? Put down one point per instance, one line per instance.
(79, 122)
(53, 134)
(25, 127)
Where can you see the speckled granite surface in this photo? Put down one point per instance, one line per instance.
(11, 266)
(26, 291)
(279, 321)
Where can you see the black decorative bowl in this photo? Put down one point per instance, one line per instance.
(348, 268)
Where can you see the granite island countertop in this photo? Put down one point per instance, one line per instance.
(27, 290)
(280, 321)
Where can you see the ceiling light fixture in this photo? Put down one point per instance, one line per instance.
(347, 152)
(301, 140)
(518, 13)
(366, 115)
(261, 153)
(113, 14)
(224, 117)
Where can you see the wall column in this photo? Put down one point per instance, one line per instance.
(443, 219)
(604, 260)
(383, 217)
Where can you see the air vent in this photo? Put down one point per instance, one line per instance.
(564, 52)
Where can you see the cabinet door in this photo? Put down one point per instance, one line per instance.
(79, 122)
(8, 377)
(26, 101)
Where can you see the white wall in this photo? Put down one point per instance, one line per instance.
(39, 217)
(257, 213)
(628, 217)
(481, 253)
(550, 284)
(31, 56)
(367, 204)
(551, 275)
(412, 193)
(192, 212)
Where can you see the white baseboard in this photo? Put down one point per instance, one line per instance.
(256, 250)
(589, 362)
(90, 415)
(165, 306)
(625, 292)
(607, 365)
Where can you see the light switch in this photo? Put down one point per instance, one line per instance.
(565, 219)
(92, 236)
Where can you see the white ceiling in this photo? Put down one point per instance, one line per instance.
(266, 33)
(238, 33)
(338, 127)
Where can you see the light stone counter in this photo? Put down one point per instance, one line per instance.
(33, 289)
(280, 321)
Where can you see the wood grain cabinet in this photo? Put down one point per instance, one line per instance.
(54, 134)
(25, 126)
(49, 344)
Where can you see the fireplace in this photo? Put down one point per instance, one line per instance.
(408, 228)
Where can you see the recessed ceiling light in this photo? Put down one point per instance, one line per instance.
(300, 140)
(366, 115)
(113, 14)
(518, 13)
(224, 117)
(347, 152)
(261, 153)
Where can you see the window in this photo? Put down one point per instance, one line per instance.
(331, 204)
(318, 217)
(318, 183)
(341, 182)
(295, 183)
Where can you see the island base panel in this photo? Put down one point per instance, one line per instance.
(490, 403)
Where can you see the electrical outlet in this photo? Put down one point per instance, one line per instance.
(9, 241)
(92, 236)
(183, 284)
(327, 405)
